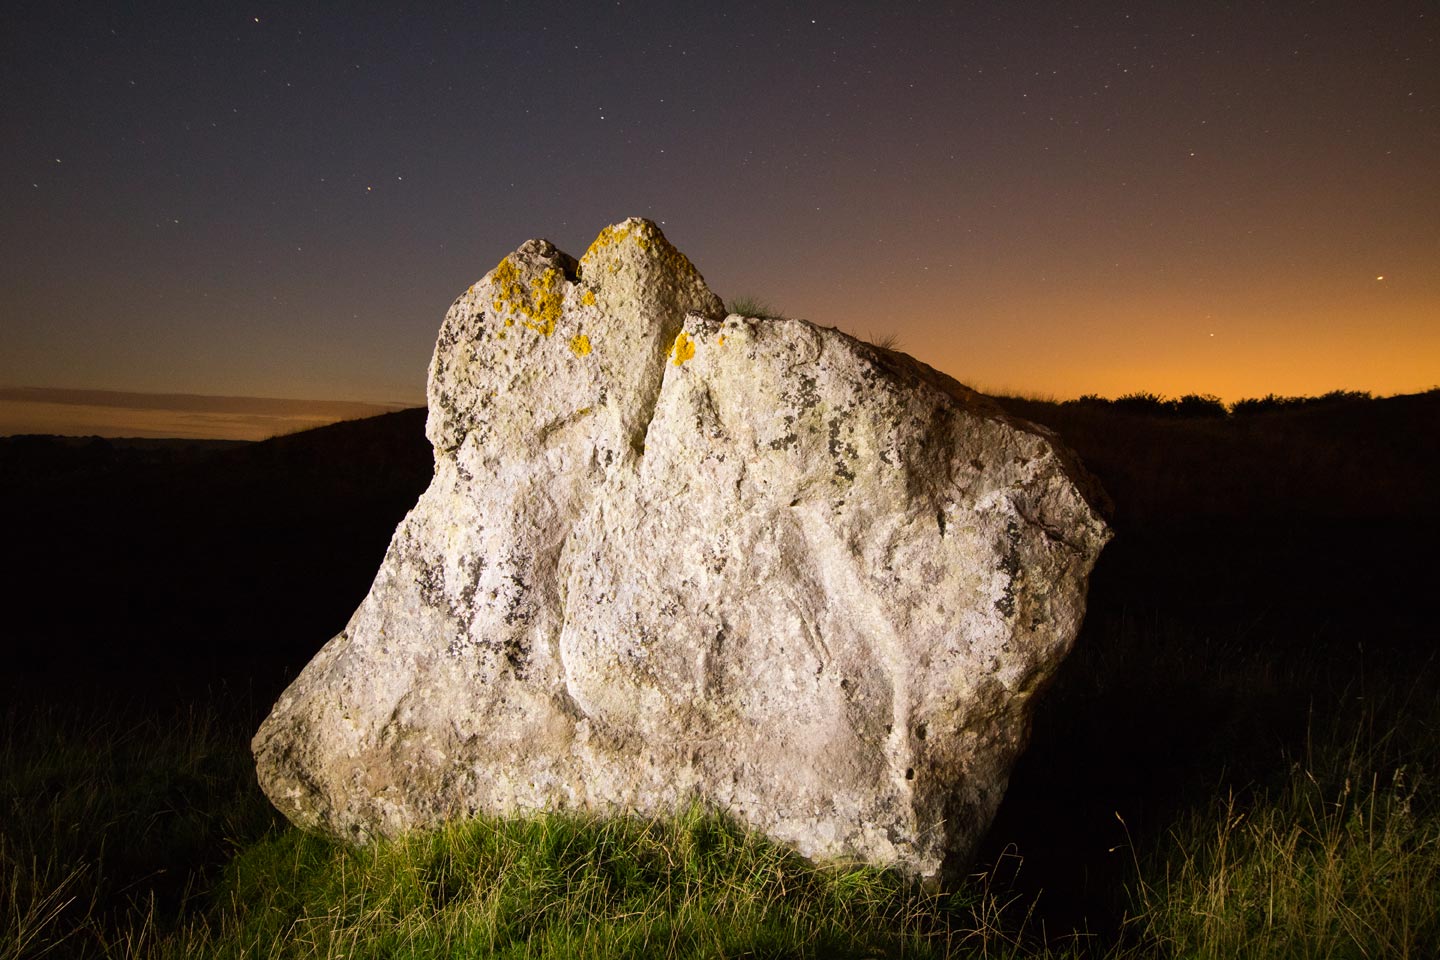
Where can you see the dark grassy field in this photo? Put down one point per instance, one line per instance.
(1237, 760)
(1262, 606)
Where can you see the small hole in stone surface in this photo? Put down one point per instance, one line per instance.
(909, 773)
(920, 731)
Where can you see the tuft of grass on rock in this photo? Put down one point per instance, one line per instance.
(752, 307)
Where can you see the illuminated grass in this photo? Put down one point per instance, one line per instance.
(560, 886)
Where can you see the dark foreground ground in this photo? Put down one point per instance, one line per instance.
(1267, 589)
(1271, 574)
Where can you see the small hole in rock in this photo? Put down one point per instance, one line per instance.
(909, 773)
(920, 732)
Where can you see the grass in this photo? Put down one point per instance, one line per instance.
(562, 887)
(149, 839)
(752, 307)
(1343, 860)
(114, 814)
(551, 886)
(1308, 873)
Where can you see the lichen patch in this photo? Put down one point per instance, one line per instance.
(683, 349)
(649, 239)
(537, 303)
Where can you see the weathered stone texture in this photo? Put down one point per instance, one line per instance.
(670, 555)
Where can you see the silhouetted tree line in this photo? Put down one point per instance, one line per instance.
(1199, 405)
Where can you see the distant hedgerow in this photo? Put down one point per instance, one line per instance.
(1201, 405)
(1272, 402)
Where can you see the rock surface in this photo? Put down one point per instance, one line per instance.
(669, 555)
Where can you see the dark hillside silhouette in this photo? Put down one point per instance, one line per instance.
(162, 567)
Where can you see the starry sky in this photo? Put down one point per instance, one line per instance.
(282, 199)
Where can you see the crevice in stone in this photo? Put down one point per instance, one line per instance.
(1052, 533)
(651, 401)
(566, 702)
(569, 266)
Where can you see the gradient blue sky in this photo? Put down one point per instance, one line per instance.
(282, 199)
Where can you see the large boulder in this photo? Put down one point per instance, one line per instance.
(670, 555)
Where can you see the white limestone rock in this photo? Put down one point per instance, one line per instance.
(669, 555)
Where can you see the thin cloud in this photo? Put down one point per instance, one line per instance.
(105, 413)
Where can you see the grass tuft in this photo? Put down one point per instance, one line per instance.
(1342, 860)
(752, 307)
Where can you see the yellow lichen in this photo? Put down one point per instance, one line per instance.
(648, 238)
(684, 349)
(608, 237)
(580, 345)
(511, 293)
(721, 341)
(589, 298)
(538, 303)
(547, 303)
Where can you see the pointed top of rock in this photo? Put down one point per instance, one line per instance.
(566, 335)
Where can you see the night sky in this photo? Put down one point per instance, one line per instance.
(281, 200)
